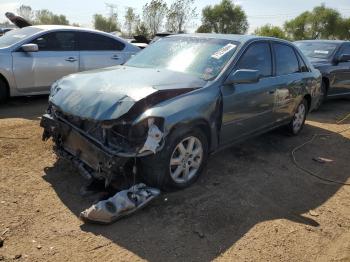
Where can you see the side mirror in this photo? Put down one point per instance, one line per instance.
(30, 48)
(243, 76)
(344, 58)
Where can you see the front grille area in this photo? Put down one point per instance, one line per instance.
(117, 138)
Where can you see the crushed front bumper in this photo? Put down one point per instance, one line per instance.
(86, 154)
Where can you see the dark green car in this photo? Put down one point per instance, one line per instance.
(177, 101)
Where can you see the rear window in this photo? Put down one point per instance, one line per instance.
(317, 49)
(17, 35)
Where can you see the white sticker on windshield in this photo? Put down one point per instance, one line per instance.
(324, 52)
(221, 52)
(19, 36)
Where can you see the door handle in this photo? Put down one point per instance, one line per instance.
(115, 57)
(71, 59)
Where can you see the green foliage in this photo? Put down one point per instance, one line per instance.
(320, 23)
(131, 20)
(141, 29)
(225, 17)
(179, 14)
(26, 12)
(153, 15)
(46, 17)
(107, 24)
(204, 29)
(344, 29)
(270, 30)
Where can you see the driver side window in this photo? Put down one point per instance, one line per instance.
(257, 57)
(345, 50)
(56, 41)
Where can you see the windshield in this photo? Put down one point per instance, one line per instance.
(17, 35)
(197, 56)
(317, 49)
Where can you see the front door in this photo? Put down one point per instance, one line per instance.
(340, 84)
(247, 108)
(57, 57)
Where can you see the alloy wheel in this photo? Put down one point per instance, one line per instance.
(186, 160)
(299, 118)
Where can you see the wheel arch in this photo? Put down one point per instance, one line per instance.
(201, 124)
(308, 98)
(326, 81)
(7, 86)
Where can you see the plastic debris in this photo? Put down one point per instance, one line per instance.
(322, 160)
(122, 204)
(153, 139)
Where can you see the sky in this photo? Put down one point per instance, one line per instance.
(259, 12)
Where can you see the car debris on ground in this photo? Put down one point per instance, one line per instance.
(124, 203)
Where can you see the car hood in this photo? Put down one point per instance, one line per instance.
(109, 93)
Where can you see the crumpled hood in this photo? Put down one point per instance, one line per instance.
(109, 93)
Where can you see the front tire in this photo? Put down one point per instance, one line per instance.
(180, 162)
(3, 91)
(299, 117)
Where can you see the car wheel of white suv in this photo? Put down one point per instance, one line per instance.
(3, 91)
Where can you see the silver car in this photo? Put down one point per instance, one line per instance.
(34, 57)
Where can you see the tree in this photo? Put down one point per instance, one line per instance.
(225, 17)
(344, 31)
(107, 24)
(26, 12)
(180, 13)
(153, 15)
(46, 17)
(204, 29)
(270, 30)
(320, 23)
(131, 20)
(141, 29)
(298, 27)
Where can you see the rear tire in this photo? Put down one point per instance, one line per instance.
(299, 117)
(3, 91)
(179, 163)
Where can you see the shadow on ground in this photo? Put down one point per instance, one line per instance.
(336, 108)
(24, 107)
(241, 187)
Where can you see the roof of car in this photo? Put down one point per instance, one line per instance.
(54, 27)
(233, 37)
(323, 41)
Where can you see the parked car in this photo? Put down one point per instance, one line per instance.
(4, 31)
(177, 101)
(332, 58)
(33, 57)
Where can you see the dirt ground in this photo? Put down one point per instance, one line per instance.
(250, 204)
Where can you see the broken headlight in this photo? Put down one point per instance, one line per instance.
(54, 89)
(140, 130)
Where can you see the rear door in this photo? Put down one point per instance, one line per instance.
(247, 108)
(341, 81)
(289, 78)
(57, 57)
(98, 51)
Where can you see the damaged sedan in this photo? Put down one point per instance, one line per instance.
(177, 101)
